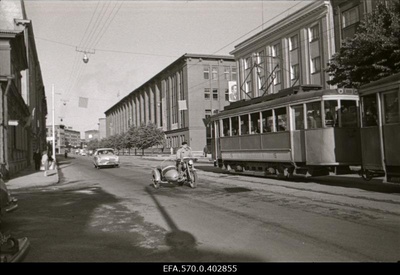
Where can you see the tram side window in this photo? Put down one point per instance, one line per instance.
(255, 125)
(391, 107)
(267, 121)
(235, 126)
(298, 114)
(244, 124)
(369, 112)
(314, 115)
(348, 113)
(330, 108)
(225, 127)
(280, 119)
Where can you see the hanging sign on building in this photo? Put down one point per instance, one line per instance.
(233, 92)
(182, 105)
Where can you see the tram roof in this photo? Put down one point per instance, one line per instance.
(380, 84)
(285, 96)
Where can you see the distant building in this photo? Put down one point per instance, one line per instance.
(91, 135)
(59, 135)
(179, 99)
(102, 128)
(72, 138)
(22, 102)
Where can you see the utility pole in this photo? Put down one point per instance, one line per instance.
(53, 126)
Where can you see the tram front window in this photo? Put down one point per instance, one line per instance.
(369, 112)
(330, 107)
(348, 112)
(314, 115)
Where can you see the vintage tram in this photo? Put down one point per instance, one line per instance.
(380, 128)
(300, 130)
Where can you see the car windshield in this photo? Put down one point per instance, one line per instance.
(105, 152)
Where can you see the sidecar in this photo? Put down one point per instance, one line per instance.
(165, 173)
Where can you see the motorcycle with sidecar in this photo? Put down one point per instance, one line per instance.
(167, 173)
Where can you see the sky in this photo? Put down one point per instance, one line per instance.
(128, 42)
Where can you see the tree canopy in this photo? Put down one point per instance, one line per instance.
(374, 51)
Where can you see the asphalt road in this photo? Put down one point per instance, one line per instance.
(115, 215)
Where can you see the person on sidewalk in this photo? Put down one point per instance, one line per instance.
(45, 162)
(37, 158)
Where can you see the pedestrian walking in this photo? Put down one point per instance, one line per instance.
(37, 158)
(45, 162)
(205, 150)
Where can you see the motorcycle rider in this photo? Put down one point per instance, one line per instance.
(184, 151)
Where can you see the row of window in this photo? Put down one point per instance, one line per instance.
(311, 115)
(215, 94)
(230, 73)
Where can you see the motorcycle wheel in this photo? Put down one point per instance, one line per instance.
(193, 179)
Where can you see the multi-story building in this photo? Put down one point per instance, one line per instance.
(23, 102)
(293, 51)
(179, 99)
(72, 138)
(59, 135)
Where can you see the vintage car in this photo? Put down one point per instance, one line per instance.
(104, 157)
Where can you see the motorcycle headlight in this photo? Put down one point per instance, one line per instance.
(191, 162)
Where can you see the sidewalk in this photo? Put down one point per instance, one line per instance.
(29, 178)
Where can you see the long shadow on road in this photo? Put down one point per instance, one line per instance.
(90, 225)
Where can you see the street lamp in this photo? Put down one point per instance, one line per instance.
(85, 54)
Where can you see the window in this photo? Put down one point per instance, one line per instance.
(276, 50)
(294, 72)
(249, 88)
(234, 74)
(227, 73)
(244, 124)
(206, 71)
(215, 94)
(207, 93)
(293, 42)
(214, 73)
(391, 107)
(267, 121)
(369, 111)
(235, 125)
(314, 33)
(350, 17)
(348, 113)
(226, 94)
(255, 123)
(277, 76)
(315, 65)
(298, 115)
(330, 108)
(314, 115)
(280, 119)
(225, 127)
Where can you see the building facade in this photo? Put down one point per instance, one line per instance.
(294, 51)
(91, 135)
(23, 102)
(72, 138)
(179, 99)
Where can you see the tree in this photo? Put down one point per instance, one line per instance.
(146, 136)
(374, 51)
